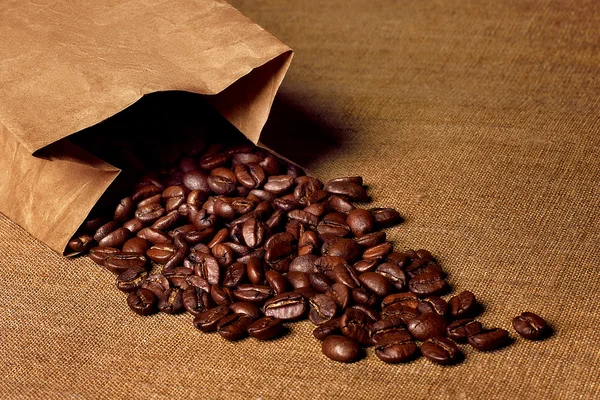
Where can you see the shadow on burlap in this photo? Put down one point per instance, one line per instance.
(479, 122)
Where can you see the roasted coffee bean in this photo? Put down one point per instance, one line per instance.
(270, 165)
(463, 305)
(345, 248)
(265, 328)
(368, 265)
(100, 253)
(143, 192)
(530, 326)
(392, 273)
(91, 225)
(116, 238)
(399, 310)
(157, 284)
(331, 327)
(364, 296)
(305, 263)
(142, 301)
(441, 351)
(152, 199)
(304, 217)
(388, 331)
(250, 175)
(197, 281)
(305, 186)
(376, 283)
(356, 325)
(171, 301)
(177, 259)
(397, 351)
(461, 329)
(254, 232)
(318, 281)
(82, 243)
(196, 180)
(208, 320)
(286, 306)
(427, 284)
(279, 184)
(131, 279)
(379, 251)
(136, 245)
(154, 236)
(357, 180)
(124, 210)
(385, 217)
(427, 325)
(221, 185)
(234, 275)
(224, 255)
(360, 222)
(148, 214)
(406, 299)
(350, 190)
(322, 309)
(247, 308)
(276, 281)
(433, 304)
(489, 339)
(257, 294)
(120, 262)
(371, 239)
(255, 271)
(341, 294)
(161, 253)
(196, 300)
(423, 266)
(246, 158)
(221, 295)
(340, 348)
(345, 274)
(339, 204)
(319, 196)
(399, 259)
(133, 225)
(166, 222)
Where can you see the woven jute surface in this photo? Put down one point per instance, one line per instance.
(479, 121)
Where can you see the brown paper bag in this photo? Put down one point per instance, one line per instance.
(68, 65)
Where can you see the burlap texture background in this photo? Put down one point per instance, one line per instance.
(478, 120)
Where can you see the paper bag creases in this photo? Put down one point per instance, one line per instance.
(68, 65)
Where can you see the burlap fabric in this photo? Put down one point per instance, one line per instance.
(478, 120)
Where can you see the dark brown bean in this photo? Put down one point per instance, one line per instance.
(340, 348)
(531, 326)
(350, 190)
(393, 273)
(428, 284)
(322, 309)
(427, 325)
(131, 279)
(142, 301)
(331, 327)
(461, 329)
(360, 222)
(433, 304)
(247, 308)
(265, 328)
(171, 302)
(157, 284)
(208, 320)
(376, 283)
(463, 305)
(385, 217)
(286, 306)
(489, 339)
(120, 262)
(257, 294)
(356, 325)
(441, 351)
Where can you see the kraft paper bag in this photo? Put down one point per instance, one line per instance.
(68, 65)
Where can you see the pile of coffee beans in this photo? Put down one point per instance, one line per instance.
(245, 242)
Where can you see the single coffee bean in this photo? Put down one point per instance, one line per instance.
(92, 225)
(171, 301)
(161, 253)
(116, 238)
(357, 180)
(335, 228)
(407, 299)
(157, 284)
(318, 281)
(196, 180)
(154, 236)
(339, 204)
(304, 217)
(265, 328)
(234, 326)
(356, 325)
(206, 266)
(254, 232)
(363, 296)
(124, 210)
(131, 279)
(247, 308)
(340, 293)
(376, 283)
(399, 310)
(322, 309)
(136, 245)
(422, 266)
(142, 301)
(196, 300)
(277, 282)
(461, 329)
(166, 222)
(133, 225)
(220, 295)
(286, 306)
(463, 305)
(143, 192)
(393, 273)
(224, 255)
(340, 348)
(234, 275)
(398, 258)
(100, 253)
(373, 314)
(350, 190)
(104, 230)
(279, 184)
(530, 326)
(489, 339)
(250, 175)
(345, 274)
(208, 320)
(152, 199)
(397, 351)
(360, 222)
(331, 327)
(120, 262)
(253, 293)
(433, 304)
(385, 217)
(367, 265)
(304, 263)
(150, 213)
(388, 331)
(428, 325)
(441, 351)
(81, 243)
(379, 251)
(255, 271)
(371, 239)
(427, 284)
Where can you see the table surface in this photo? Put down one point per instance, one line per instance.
(479, 121)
